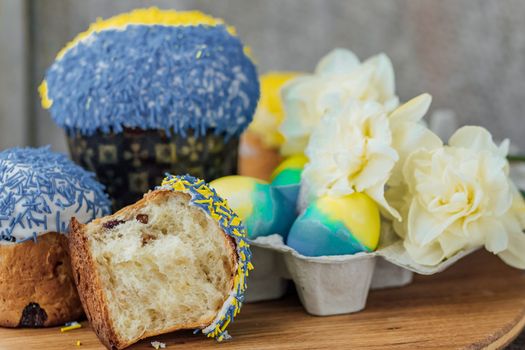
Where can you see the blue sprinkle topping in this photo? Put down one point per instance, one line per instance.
(32, 181)
(174, 78)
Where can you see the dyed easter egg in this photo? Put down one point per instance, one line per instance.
(262, 208)
(289, 171)
(337, 226)
(286, 178)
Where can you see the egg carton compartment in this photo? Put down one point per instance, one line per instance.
(388, 275)
(331, 285)
(267, 281)
(327, 285)
(396, 255)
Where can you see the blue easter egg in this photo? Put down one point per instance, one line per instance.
(337, 226)
(262, 208)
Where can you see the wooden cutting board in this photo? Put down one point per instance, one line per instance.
(478, 303)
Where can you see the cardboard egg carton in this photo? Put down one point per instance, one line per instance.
(331, 285)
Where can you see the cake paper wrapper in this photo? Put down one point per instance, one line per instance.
(134, 161)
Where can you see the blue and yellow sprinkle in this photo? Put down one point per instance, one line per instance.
(70, 326)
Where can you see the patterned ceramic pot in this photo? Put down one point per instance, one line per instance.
(134, 161)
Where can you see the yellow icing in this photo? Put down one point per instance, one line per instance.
(358, 212)
(270, 113)
(248, 52)
(238, 190)
(45, 100)
(293, 162)
(147, 16)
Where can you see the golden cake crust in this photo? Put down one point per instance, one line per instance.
(36, 283)
(256, 159)
(88, 285)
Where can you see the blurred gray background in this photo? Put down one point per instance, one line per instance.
(470, 54)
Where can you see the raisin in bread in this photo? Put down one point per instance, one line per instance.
(174, 260)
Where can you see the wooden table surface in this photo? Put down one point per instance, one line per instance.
(478, 303)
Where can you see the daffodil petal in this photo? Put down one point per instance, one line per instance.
(430, 254)
(377, 193)
(477, 139)
(423, 226)
(338, 61)
(412, 111)
(514, 255)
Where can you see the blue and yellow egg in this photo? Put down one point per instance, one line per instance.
(263, 209)
(289, 171)
(286, 178)
(337, 226)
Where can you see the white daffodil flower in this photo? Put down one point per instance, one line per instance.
(361, 148)
(410, 133)
(458, 197)
(350, 151)
(339, 77)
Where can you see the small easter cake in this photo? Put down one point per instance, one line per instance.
(149, 92)
(260, 144)
(337, 226)
(176, 259)
(39, 193)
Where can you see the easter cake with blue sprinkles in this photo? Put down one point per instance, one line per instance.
(177, 71)
(40, 191)
(176, 259)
